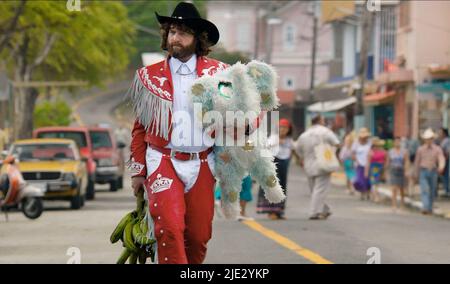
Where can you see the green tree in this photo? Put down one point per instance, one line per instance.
(52, 43)
(49, 113)
(221, 54)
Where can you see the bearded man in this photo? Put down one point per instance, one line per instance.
(177, 176)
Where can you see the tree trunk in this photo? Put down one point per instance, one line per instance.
(26, 102)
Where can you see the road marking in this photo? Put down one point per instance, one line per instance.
(287, 243)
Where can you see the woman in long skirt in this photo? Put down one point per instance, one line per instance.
(360, 150)
(275, 211)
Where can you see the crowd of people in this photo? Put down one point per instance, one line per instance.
(368, 162)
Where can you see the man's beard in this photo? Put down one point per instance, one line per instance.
(181, 52)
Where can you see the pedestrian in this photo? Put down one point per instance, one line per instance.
(276, 211)
(411, 146)
(377, 161)
(396, 165)
(3, 140)
(360, 152)
(178, 178)
(318, 179)
(429, 162)
(122, 134)
(346, 158)
(444, 143)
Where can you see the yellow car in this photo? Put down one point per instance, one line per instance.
(55, 166)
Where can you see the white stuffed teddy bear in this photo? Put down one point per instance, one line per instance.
(248, 89)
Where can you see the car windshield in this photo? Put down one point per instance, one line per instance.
(78, 137)
(100, 139)
(43, 152)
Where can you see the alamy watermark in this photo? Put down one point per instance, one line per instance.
(373, 5)
(73, 5)
(74, 254)
(375, 255)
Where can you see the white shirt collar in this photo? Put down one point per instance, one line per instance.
(175, 64)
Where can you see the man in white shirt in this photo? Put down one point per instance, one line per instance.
(176, 172)
(319, 181)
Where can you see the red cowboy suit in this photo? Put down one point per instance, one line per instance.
(182, 221)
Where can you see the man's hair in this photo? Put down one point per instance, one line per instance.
(202, 47)
(316, 118)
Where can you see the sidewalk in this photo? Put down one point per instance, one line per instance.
(441, 206)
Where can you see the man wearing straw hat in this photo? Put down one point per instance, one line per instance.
(430, 162)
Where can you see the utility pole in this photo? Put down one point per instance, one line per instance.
(367, 26)
(313, 52)
(271, 21)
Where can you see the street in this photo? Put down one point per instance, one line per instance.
(347, 237)
(355, 226)
(360, 76)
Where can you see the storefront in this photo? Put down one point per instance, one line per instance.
(338, 114)
(434, 105)
(390, 109)
(433, 97)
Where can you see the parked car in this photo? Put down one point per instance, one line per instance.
(82, 138)
(55, 166)
(108, 157)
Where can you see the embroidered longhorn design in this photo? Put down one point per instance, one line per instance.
(161, 80)
(207, 71)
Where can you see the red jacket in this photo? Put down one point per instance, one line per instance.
(151, 95)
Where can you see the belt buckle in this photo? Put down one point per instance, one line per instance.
(172, 153)
(193, 155)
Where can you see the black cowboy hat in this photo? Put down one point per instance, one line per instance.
(186, 13)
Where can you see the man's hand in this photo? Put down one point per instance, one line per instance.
(299, 162)
(137, 184)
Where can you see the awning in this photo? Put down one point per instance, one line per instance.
(439, 71)
(401, 76)
(328, 106)
(379, 98)
(286, 97)
(434, 88)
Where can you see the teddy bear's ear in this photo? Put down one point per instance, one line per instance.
(197, 89)
(265, 79)
(201, 92)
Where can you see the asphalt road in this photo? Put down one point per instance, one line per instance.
(355, 229)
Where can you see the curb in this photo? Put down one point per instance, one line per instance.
(386, 193)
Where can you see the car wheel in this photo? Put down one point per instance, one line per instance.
(83, 195)
(113, 185)
(32, 207)
(76, 201)
(120, 182)
(82, 200)
(90, 190)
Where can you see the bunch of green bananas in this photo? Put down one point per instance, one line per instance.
(132, 231)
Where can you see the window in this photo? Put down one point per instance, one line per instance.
(43, 152)
(78, 137)
(243, 36)
(289, 83)
(289, 36)
(100, 139)
(404, 17)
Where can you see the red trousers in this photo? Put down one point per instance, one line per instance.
(182, 221)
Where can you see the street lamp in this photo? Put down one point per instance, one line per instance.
(271, 21)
